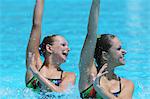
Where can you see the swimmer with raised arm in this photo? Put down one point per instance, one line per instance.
(46, 75)
(99, 56)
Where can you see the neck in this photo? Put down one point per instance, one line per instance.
(110, 75)
(50, 64)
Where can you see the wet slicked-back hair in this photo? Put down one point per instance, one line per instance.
(103, 44)
(47, 40)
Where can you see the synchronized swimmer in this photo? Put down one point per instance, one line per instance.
(97, 77)
(47, 75)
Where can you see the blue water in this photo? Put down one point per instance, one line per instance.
(128, 19)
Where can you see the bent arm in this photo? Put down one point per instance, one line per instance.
(67, 82)
(35, 35)
(68, 78)
(87, 53)
(104, 93)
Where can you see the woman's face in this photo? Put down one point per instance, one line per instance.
(60, 49)
(116, 53)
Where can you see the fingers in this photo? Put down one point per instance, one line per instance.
(101, 74)
(103, 70)
(103, 67)
(104, 73)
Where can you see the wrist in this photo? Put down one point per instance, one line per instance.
(36, 73)
(97, 80)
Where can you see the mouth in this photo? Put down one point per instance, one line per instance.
(65, 53)
(122, 59)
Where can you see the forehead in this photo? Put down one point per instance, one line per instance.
(60, 39)
(115, 42)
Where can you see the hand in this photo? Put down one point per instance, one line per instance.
(102, 72)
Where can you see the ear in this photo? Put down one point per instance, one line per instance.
(105, 55)
(49, 48)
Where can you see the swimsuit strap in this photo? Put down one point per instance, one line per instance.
(41, 67)
(59, 69)
(120, 84)
(86, 89)
(117, 93)
(33, 76)
(61, 74)
(57, 81)
(89, 92)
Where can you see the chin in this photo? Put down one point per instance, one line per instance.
(123, 63)
(120, 64)
(63, 60)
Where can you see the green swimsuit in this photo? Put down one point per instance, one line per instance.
(91, 93)
(36, 86)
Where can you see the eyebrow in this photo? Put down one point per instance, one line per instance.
(119, 47)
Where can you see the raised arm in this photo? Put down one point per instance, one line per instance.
(87, 53)
(35, 35)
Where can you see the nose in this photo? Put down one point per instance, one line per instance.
(68, 49)
(124, 51)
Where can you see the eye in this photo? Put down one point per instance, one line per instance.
(119, 48)
(63, 44)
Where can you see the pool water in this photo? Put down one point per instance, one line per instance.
(128, 19)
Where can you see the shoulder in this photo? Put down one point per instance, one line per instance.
(69, 74)
(128, 83)
(127, 87)
(70, 77)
